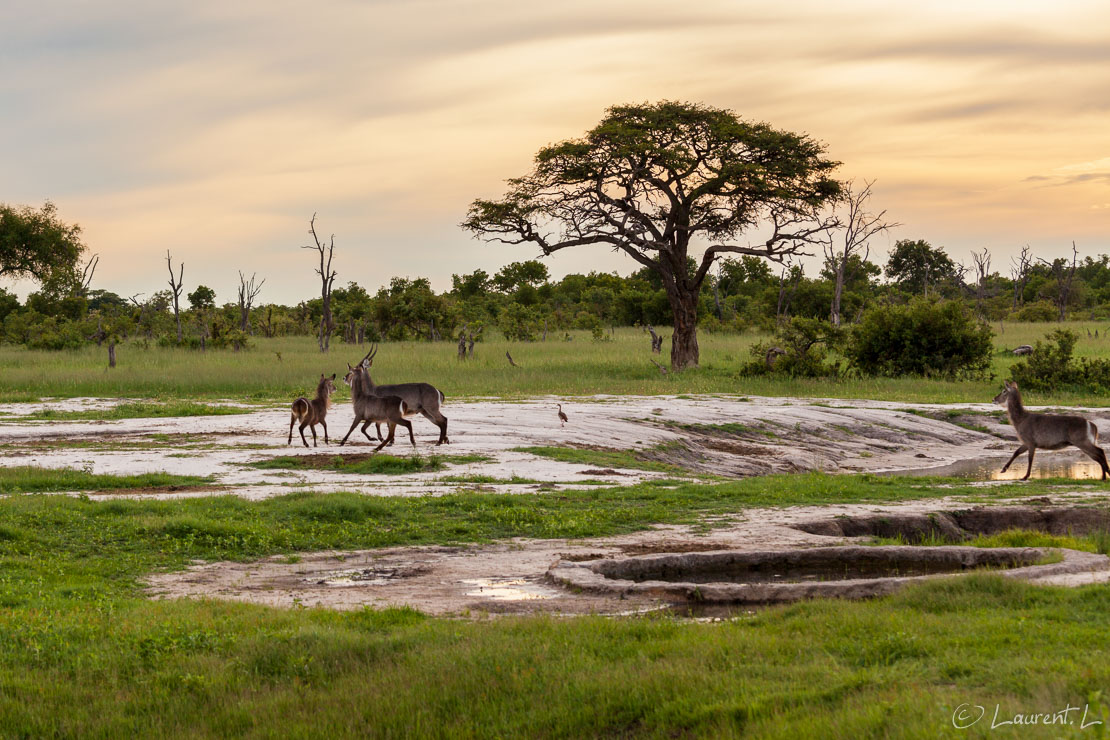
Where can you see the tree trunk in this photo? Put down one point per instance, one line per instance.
(111, 353)
(838, 292)
(684, 340)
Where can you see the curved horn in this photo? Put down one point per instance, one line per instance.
(369, 359)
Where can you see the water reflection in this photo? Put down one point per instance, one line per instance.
(1045, 465)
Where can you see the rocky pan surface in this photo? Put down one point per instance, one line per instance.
(725, 436)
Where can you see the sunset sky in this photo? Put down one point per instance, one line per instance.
(216, 129)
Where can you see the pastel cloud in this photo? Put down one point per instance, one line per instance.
(215, 130)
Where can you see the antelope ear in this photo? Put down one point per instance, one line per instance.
(1014, 385)
(349, 366)
(333, 376)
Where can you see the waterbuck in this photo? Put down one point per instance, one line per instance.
(374, 408)
(311, 413)
(421, 398)
(1048, 431)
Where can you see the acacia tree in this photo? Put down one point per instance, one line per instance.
(39, 245)
(327, 280)
(655, 180)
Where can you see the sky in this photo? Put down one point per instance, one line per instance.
(216, 130)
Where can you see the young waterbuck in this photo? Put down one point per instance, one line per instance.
(311, 413)
(1048, 431)
(373, 408)
(419, 398)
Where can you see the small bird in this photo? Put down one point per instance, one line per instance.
(562, 417)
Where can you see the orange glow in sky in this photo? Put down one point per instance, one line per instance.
(216, 130)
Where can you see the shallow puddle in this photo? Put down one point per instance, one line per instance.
(507, 589)
(1044, 466)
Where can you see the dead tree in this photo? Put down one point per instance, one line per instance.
(248, 291)
(510, 359)
(850, 237)
(327, 279)
(175, 289)
(1064, 277)
(982, 264)
(1020, 273)
(88, 272)
(656, 341)
(462, 343)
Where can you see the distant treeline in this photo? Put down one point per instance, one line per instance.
(523, 303)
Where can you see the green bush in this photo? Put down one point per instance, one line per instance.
(923, 337)
(520, 323)
(1052, 367)
(799, 350)
(1038, 311)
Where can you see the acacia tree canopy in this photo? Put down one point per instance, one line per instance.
(35, 243)
(651, 179)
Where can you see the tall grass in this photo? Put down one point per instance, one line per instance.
(281, 369)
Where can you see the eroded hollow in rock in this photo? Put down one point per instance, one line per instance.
(769, 576)
(960, 525)
(812, 565)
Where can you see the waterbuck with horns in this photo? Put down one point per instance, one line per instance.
(422, 398)
(311, 413)
(1048, 431)
(374, 408)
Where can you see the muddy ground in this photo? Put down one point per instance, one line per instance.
(697, 436)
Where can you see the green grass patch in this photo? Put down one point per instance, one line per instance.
(565, 369)
(138, 410)
(611, 458)
(366, 463)
(33, 479)
(1098, 542)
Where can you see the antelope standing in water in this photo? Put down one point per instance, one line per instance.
(419, 398)
(1048, 431)
(372, 408)
(311, 413)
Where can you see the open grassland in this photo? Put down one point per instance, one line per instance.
(83, 654)
(278, 370)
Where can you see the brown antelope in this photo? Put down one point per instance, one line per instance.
(1048, 431)
(311, 413)
(373, 408)
(419, 398)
